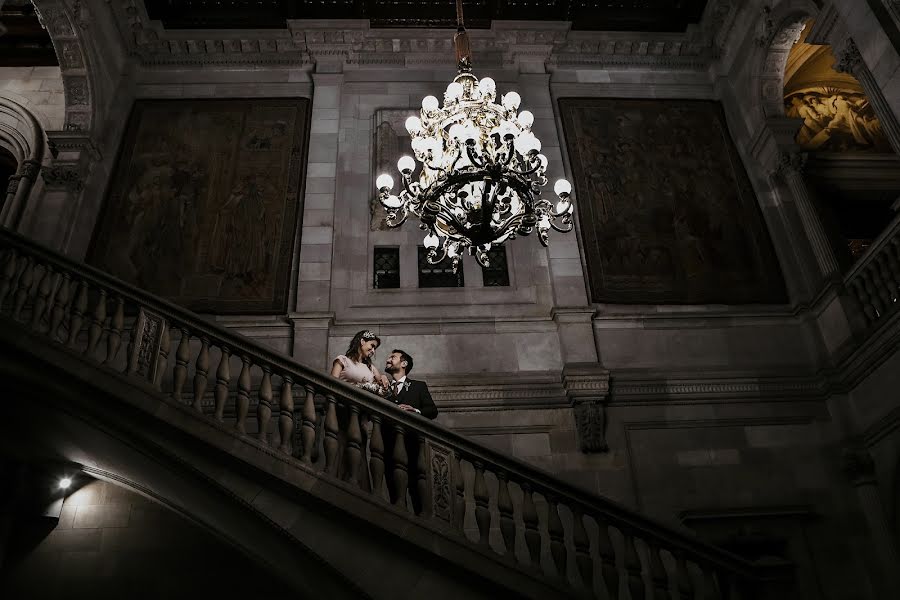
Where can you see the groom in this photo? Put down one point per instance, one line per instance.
(412, 396)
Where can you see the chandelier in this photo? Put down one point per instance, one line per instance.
(480, 170)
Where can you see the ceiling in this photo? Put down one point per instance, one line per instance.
(602, 15)
(24, 43)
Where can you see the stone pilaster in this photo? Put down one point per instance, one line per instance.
(317, 234)
(790, 168)
(849, 60)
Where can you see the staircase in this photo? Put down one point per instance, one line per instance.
(275, 463)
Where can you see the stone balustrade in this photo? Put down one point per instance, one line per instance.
(875, 278)
(590, 545)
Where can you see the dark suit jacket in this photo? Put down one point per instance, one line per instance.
(417, 396)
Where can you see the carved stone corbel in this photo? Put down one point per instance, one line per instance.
(66, 176)
(587, 388)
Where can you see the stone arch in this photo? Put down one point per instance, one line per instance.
(65, 27)
(779, 28)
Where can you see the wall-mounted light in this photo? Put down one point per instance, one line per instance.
(64, 483)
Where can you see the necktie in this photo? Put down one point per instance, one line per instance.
(398, 385)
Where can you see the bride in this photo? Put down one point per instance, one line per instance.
(356, 365)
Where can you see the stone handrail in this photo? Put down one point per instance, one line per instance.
(533, 520)
(874, 280)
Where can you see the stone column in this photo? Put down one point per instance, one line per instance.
(860, 470)
(849, 60)
(790, 168)
(17, 193)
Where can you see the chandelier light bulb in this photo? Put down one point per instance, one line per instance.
(526, 119)
(454, 91)
(413, 125)
(384, 182)
(456, 132)
(511, 101)
(543, 160)
(562, 188)
(430, 104)
(431, 241)
(392, 201)
(406, 165)
(562, 206)
(487, 87)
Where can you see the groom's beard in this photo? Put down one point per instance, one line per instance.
(391, 369)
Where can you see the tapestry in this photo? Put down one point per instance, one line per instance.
(391, 142)
(204, 202)
(666, 210)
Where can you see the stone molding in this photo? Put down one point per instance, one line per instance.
(351, 43)
(60, 22)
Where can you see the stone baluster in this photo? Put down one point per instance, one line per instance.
(633, 568)
(376, 461)
(683, 583)
(582, 544)
(557, 537)
(882, 288)
(77, 317)
(98, 320)
(165, 342)
(264, 407)
(401, 470)
(872, 290)
(657, 573)
(422, 480)
(42, 300)
(790, 167)
(114, 334)
(862, 295)
(507, 515)
(24, 285)
(353, 449)
(243, 396)
(849, 60)
(892, 266)
(182, 356)
(7, 275)
(530, 519)
(331, 435)
(482, 510)
(608, 567)
(308, 426)
(459, 507)
(201, 374)
(60, 306)
(286, 414)
(223, 382)
(710, 588)
(887, 277)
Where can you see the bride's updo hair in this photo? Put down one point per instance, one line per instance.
(353, 352)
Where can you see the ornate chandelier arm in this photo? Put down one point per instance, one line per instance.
(470, 151)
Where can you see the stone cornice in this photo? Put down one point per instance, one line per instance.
(352, 44)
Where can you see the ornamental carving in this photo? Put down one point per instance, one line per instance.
(849, 60)
(77, 91)
(66, 176)
(70, 55)
(55, 20)
(590, 425)
(146, 343)
(441, 482)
